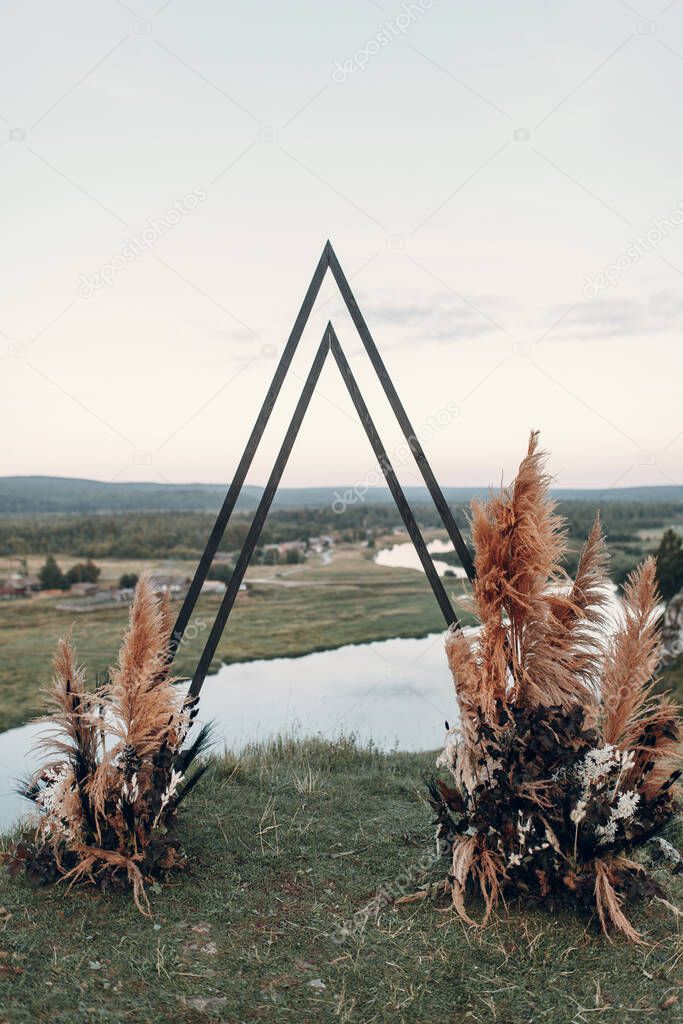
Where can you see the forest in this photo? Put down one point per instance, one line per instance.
(184, 534)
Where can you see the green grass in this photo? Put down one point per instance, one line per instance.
(286, 846)
(297, 610)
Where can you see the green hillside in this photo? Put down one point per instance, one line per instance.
(21, 495)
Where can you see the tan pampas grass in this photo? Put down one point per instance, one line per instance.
(528, 640)
(633, 656)
(608, 902)
(167, 619)
(634, 718)
(117, 770)
(464, 852)
(579, 620)
(72, 726)
(564, 757)
(146, 706)
(471, 696)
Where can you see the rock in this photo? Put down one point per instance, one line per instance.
(205, 1004)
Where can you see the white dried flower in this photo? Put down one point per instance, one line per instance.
(597, 764)
(607, 833)
(626, 805)
(579, 812)
(59, 782)
(625, 808)
(130, 791)
(52, 791)
(523, 829)
(169, 792)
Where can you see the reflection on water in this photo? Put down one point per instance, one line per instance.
(396, 692)
(404, 556)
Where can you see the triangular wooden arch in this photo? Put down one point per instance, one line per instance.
(329, 343)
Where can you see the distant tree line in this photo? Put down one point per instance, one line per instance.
(669, 556)
(183, 534)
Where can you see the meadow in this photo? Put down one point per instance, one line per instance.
(298, 852)
(288, 611)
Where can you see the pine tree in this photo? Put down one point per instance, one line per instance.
(51, 576)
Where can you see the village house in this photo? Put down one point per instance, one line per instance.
(213, 587)
(84, 589)
(173, 584)
(291, 545)
(17, 585)
(320, 544)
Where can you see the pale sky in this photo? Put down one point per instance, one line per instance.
(477, 166)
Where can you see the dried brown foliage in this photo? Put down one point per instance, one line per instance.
(565, 758)
(116, 770)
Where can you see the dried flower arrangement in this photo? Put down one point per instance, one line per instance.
(565, 759)
(117, 770)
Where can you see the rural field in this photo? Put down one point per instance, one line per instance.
(287, 611)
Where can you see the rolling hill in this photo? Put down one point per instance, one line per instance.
(27, 495)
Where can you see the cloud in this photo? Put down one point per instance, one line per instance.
(432, 319)
(609, 317)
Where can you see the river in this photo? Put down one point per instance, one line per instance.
(396, 694)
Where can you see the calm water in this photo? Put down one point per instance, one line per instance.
(397, 693)
(404, 556)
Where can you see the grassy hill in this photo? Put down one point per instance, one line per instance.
(21, 495)
(297, 852)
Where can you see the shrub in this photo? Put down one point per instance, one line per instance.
(565, 759)
(116, 769)
(221, 571)
(83, 572)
